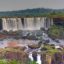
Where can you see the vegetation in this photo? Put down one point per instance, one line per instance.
(49, 49)
(33, 12)
(32, 62)
(56, 31)
(3, 61)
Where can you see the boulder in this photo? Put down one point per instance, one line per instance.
(34, 46)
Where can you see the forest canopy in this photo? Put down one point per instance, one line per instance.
(33, 13)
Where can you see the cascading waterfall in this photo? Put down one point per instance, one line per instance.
(12, 24)
(35, 23)
(9, 24)
(30, 56)
(19, 24)
(4, 23)
(38, 58)
(38, 23)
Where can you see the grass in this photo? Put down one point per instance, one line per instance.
(32, 62)
(4, 61)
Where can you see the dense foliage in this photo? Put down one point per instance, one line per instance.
(33, 12)
(3, 61)
(56, 31)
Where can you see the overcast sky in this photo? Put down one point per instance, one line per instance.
(9, 5)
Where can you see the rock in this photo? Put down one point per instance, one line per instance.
(56, 40)
(19, 56)
(34, 46)
(34, 55)
(58, 58)
(47, 41)
(22, 48)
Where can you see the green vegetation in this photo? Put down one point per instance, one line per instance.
(33, 12)
(49, 49)
(56, 31)
(9, 62)
(32, 62)
(3, 61)
(14, 62)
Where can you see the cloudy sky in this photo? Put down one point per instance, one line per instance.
(9, 5)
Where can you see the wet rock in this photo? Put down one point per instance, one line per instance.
(44, 49)
(40, 42)
(22, 48)
(46, 58)
(46, 41)
(2, 36)
(34, 46)
(34, 55)
(57, 40)
(56, 58)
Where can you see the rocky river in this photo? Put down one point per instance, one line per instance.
(33, 47)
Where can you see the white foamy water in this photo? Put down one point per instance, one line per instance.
(34, 23)
(38, 58)
(30, 56)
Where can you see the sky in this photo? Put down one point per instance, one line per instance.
(10, 5)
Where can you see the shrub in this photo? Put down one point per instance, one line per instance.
(3, 62)
(14, 62)
(32, 62)
(56, 32)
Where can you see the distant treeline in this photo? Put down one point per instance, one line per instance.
(33, 12)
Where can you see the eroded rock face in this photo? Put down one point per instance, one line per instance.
(34, 55)
(46, 59)
(57, 58)
(21, 56)
(14, 54)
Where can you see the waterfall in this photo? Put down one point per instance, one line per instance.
(29, 23)
(19, 24)
(5, 26)
(37, 26)
(48, 23)
(34, 23)
(12, 24)
(38, 58)
(30, 56)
